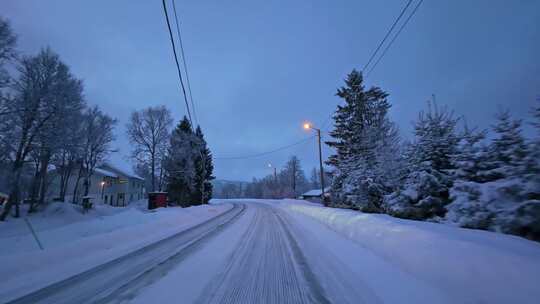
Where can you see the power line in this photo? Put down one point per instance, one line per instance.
(389, 44)
(395, 36)
(365, 76)
(184, 61)
(176, 60)
(268, 152)
(387, 34)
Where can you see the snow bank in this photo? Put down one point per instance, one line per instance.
(483, 266)
(59, 223)
(81, 245)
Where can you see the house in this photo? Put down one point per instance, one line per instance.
(108, 184)
(127, 187)
(315, 195)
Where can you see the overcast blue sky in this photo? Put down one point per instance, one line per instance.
(260, 68)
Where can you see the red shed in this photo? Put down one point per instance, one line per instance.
(157, 200)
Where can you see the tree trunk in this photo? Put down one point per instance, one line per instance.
(161, 177)
(79, 176)
(44, 175)
(34, 188)
(66, 176)
(62, 172)
(86, 185)
(153, 169)
(14, 194)
(294, 180)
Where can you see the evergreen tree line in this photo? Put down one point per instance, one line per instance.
(449, 172)
(45, 122)
(188, 166)
(289, 182)
(178, 162)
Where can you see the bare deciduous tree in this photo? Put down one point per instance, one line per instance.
(7, 54)
(66, 93)
(97, 130)
(149, 132)
(31, 108)
(7, 51)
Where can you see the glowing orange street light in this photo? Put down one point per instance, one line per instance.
(308, 126)
(102, 188)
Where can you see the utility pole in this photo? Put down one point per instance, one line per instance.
(320, 163)
(102, 189)
(294, 178)
(308, 126)
(275, 179)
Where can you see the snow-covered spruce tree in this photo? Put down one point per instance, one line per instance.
(425, 189)
(507, 151)
(517, 208)
(502, 195)
(470, 161)
(366, 145)
(470, 156)
(180, 171)
(204, 168)
(532, 160)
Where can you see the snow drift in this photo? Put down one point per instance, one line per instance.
(483, 266)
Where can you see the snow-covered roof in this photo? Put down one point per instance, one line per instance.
(105, 172)
(125, 172)
(315, 192)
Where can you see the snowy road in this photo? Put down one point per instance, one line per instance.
(266, 267)
(265, 252)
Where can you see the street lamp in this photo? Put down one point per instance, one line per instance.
(308, 126)
(102, 188)
(275, 172)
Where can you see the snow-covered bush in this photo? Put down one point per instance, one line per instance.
(425, 188)
(423, 195)
(502, 194)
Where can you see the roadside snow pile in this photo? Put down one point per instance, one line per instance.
(81, 245)
(488, 267)
(60, 223)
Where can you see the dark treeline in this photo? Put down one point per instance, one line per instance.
(449, 172)
(288, 182)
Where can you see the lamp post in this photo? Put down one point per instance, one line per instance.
(102, 188)
(275, 186)
(275, 172)
(308, 126)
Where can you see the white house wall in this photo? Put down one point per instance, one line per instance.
(116, 191)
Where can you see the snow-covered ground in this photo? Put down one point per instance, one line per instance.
(469, 266)
(74, 242)
(286, 250)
